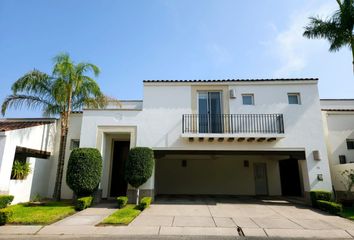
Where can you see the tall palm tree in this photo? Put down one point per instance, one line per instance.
(337, 29)
(67, 89)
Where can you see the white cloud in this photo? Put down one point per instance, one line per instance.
(289, 46)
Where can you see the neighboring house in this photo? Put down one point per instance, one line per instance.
(338, 119)
(227, 137)
(30, 140)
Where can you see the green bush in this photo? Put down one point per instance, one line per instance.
(5, 200)
(5, 214)
(139, 166)
(83, 203)
(20, 170)
(331, 207)
(144, 203)
(319, 195)
(122, 201)
(84, 171)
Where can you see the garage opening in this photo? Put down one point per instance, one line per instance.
(290, 177)
(246, 173)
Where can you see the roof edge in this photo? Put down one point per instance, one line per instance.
(232, 80)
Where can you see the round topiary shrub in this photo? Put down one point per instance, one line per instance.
(139, 166)
(84, 171)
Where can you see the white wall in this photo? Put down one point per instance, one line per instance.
(159, 123)
(35, 183)
(38, 137)
(73, 133)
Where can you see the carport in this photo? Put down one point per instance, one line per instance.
(196, 172)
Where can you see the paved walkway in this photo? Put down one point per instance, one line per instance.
(205, 217)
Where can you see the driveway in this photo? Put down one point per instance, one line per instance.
(256, 217)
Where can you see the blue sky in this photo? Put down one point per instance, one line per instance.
(134, 40)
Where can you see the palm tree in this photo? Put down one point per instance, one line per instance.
(338, 29)
(67, 89)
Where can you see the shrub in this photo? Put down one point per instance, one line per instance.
(5, 214)
(331, 207)
(83, 203)
(139, 166)
(20, 170)
(144, 203)
(122, 201)
(84, 171)
(319, 195)
(5, 200)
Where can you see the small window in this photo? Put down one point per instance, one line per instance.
(294, 98)
(74, 143)
(247, 99)
(350, 144)
(342, 159)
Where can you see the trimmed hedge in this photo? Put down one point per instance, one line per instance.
(83, 203)
(5, 200)
(122, 201)
(5, 214)
(84, 171)
(331, 207)
(319, 195)
(144, 203)
(139, 166)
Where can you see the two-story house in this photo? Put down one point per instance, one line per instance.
(211, 137)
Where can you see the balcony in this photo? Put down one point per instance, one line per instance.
(230, 127)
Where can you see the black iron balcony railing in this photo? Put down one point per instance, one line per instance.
(233, 123)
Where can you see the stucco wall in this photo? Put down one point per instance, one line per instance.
(159, 123)
(38, 137)
(35, 183)
(73, 133)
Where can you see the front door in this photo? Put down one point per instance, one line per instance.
(120, 155)
(260, 178)
(290, 177)
(209, 110)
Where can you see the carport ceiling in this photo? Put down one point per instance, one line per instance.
(293, 154)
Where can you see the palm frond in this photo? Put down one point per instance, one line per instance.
(31, 102)
(34, 82)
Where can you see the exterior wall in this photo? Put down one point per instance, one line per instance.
(38, 137)
(73, 133)
(219, 175)
(158, 125)
(35, 183)
(338, 118)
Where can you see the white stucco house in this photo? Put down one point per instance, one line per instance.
(210, 137)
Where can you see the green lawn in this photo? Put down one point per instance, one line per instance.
(348, 213)
(122, 216)
(49, 213)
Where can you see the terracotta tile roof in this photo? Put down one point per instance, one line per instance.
(13, 124)
(235, 80)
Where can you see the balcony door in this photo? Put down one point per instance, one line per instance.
(210, 112)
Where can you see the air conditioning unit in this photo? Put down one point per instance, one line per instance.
(232, 93)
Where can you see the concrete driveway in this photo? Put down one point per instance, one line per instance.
(256, 217)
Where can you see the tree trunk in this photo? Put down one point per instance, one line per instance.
(61, 158)
(62, 148)
(137, 196)
(352, 45)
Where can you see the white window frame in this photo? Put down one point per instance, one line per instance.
(248, 95)
(297, 95)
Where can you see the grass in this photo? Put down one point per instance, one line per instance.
(47, 214)
(348, 212)
(122, 216)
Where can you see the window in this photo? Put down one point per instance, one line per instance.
(294, 98)
(350, 144)
(342, 159)
(247, 99)
(74, 143)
